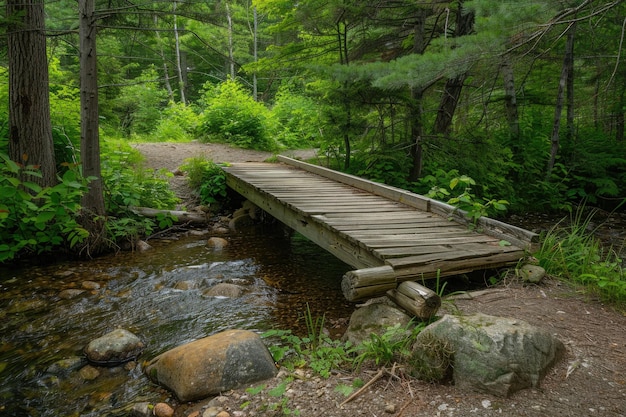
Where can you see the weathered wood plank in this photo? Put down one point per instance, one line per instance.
(368, 224)
(392, 193)
(319, 233)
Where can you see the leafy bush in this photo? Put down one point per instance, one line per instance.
(128, 184)
(139, 104)
(234, 117)
(35, 219)
(178, 124)
(206, 178)
(298, 117)
(456, 190)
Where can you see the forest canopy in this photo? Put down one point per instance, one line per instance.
(516, 100)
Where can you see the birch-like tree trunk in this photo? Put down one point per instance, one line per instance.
(179, 61)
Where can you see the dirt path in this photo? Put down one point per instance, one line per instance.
(589, 381)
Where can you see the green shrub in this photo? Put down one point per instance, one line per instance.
(298, 118)
(206, 178)
(178, 123)
(35, 220)
(139, 104)
(234, 117)
(457, 191)
(128, 184)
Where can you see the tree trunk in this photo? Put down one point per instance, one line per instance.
(510, 99)
(417, 132)
(569, 59)
(181, 79)
(231, 54)
(166, 71)
(558, 108)
(454, 86)
(30, 130)
(93, 201)
(415, 106)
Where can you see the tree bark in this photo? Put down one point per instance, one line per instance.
(93, 209)
(454, 86)
(510, 99)
(568, 66)
(30, 130)
(415, 105)
(179, 67)
(166, 71)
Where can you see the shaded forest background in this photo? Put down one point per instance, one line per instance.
(514, 105)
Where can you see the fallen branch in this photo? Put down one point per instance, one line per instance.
(181, 216)
(364, 387)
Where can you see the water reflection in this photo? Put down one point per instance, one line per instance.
(158, 295)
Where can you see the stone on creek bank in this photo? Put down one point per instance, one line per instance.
(375, 317)
(483, 353)
(114, 348)
(213, 364)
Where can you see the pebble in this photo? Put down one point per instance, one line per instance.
(163, 410)
(390, 408)
(89, 373)
(141, 410)
(90, 285)
(70, 293)
(212, 411)
(142, 246)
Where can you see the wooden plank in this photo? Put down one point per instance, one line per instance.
(319, 233)
(455, 267)
(392, 193)
(458, 252)
(517, 236)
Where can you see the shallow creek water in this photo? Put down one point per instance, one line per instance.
(157, 295)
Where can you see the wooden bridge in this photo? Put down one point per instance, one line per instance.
(389, 235)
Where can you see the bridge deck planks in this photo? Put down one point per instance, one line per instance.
(365, 229)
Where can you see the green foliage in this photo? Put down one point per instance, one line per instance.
(392, 346)
(178, 123)
(130, 227)
(387, 167)
(457, 190)
(573, 253)
(128, 184)
(34, 219)
(234, 117)
(206, 177)
(298, 118)
(317, 349)
(139, 104)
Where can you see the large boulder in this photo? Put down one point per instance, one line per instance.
(376, 318)
(213, 364)
(114, 348)
(483, 353)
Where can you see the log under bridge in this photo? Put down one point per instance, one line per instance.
(387, 234)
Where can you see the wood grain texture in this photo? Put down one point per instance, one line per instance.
(370, 225)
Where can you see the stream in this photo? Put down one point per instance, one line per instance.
(158, 295)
